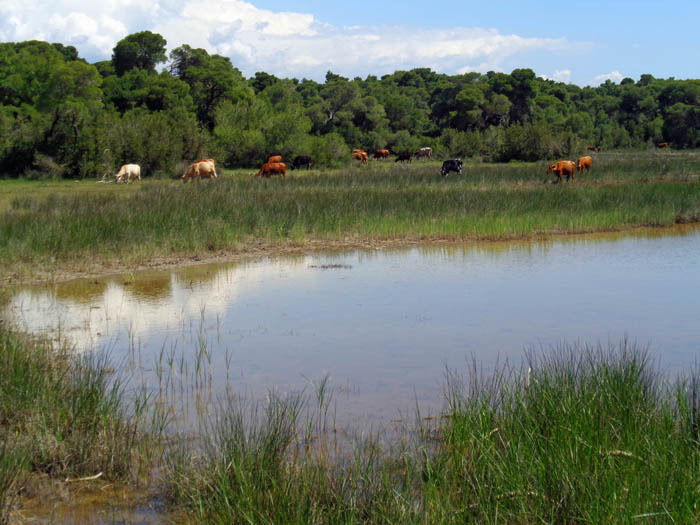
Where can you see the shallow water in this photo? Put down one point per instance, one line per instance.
(383, 325)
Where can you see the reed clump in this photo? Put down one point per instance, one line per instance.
(65, 417)
(579, 434)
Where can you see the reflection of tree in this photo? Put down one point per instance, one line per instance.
(149, 287)
(82, 292)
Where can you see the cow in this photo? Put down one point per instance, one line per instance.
(591, 148)
(204, 169)
(128, 172)
(584, 163)
(662, 145)
(403, 157)
(301, 160)
(424, 152)
(451, 165)
(274, 159)
(599, 149)
(381, 154)
(272, 168)
(360, 155)
(563, 167)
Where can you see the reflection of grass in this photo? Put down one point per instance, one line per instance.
(579, 435)
(65, 418)
(68, 224)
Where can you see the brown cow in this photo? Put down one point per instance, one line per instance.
(205, 169)
(662, 145)
(272, 168)
(584, 163)
(360, 155)
(563, 167)
(591, 148)
(274, 159)
(381, 154)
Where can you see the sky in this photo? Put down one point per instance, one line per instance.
(583, 43)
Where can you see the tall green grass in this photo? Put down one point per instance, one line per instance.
(237, 213)
(578, 435)
(65, 417)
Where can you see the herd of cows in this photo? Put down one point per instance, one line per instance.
(206, 168)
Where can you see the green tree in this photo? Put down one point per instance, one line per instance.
(212, 80)
(142, 50)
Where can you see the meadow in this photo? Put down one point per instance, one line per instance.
(50, 227)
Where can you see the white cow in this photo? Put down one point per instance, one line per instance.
(128, 172)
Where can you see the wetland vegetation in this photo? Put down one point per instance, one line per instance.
(575, 434)
(50, 227)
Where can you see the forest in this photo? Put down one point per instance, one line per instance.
(62, 117)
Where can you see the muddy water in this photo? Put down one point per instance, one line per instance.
(383, 325)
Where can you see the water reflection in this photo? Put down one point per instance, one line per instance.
(383, 324)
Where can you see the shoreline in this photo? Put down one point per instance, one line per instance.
(115, 266)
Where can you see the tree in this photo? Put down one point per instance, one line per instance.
(212, 80)
(140, 50)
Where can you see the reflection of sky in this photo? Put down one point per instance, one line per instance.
(385, 324)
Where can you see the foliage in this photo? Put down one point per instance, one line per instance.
(55, 105)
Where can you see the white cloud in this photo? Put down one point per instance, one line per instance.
(614, 76)
(562, 75)
(281, 43)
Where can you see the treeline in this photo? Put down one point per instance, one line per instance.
(63, 117)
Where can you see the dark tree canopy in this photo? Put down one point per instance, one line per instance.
(142, 50)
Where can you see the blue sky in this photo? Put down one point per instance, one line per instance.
(581, 42)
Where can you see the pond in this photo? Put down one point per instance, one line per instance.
(383, 326)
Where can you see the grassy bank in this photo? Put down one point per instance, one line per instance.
(64, 418)
(48, 227)
(579, 435)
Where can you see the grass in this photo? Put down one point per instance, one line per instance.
(65, 417)
(57, 225)
(577, 435)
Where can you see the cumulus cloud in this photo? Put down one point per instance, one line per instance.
(282, 43)
(614, 76)
(563, 75)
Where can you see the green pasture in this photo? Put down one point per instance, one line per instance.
(55, 224)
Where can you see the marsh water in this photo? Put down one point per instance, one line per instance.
(382, 326)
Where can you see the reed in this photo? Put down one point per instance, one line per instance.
(579, 434)
(65, 417)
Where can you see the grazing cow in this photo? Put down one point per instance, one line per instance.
(584, 163)
(360, 155)
(424, 152)
(272, 168)
(381, 154)
(451, 165)
(591, 148)
(563, 167)
(128, 172)
(301, 160)
(662, 145)
(204, 169)
(274, 159)
(599, 149)
(403, 157)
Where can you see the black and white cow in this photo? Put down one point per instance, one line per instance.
(451, 165)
